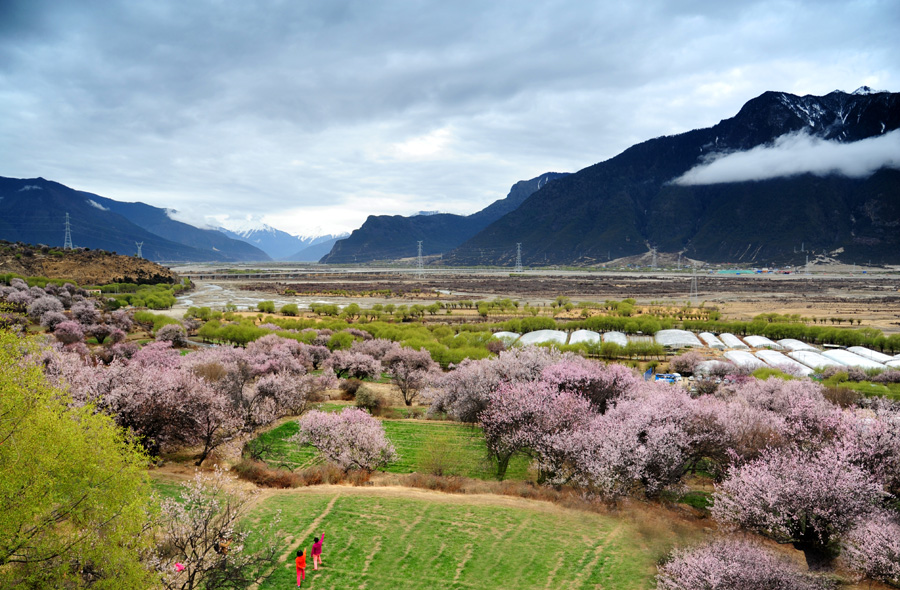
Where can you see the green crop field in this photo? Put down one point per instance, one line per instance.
(409, 539)
(423, 446)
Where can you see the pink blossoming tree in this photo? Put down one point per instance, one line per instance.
(351, 439)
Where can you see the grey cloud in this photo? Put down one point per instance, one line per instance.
(799, 153)
(266, 105)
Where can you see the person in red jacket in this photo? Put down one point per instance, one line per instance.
(301, 567)
(317, 551)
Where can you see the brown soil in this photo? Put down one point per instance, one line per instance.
(84, 267)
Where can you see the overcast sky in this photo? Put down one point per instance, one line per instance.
(313, 114)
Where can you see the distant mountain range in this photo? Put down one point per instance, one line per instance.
(386, 237)
(776, 190)
(33, 211)
(281, 245)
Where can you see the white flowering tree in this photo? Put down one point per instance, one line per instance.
(200, 543)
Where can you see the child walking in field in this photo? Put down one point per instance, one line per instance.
(317, 551)
(301, 567)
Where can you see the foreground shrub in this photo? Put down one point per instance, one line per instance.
(427, 481)
(262, 475)
(348, 388)
(730, 564)
(320, 475)
(369, 400)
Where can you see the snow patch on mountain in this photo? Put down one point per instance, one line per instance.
(94, 203)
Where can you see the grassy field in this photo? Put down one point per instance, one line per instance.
(890, 390)
(423, 446)
(395, 539)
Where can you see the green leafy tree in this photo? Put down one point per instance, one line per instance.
(290, 309)
(74, 498)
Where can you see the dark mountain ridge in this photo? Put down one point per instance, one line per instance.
(34, 211)
(386, 237)
(628, 204)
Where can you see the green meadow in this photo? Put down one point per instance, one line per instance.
(424, 446)
(407, 539)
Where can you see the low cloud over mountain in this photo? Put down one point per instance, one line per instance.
(799, 153)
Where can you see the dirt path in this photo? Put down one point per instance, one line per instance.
(312, 528)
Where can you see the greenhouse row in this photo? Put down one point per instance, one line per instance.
(799, 357)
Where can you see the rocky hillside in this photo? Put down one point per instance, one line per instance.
(84, 267)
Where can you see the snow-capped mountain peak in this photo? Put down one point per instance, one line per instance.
(865, 91)
(245, 226)
(276, 243)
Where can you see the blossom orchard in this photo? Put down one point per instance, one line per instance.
(790, 464)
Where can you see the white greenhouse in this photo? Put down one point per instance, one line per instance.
(779, 361)
(851, 360)
(761, 342)
(744, 359)
(732, 341)
(895, 364)
(543, 337)
(616, 338)
(872, 355)
(579, 336)
(813, 360)
(677, 339)
(794, 344)
(706, 368)
(507, 337)
(712, 341)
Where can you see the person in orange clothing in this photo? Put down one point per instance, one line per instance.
(301, 567)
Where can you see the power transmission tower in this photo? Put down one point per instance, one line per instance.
(139, 244)
(654, 259)
(420, 265)
(67, 245)
(518, 257)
